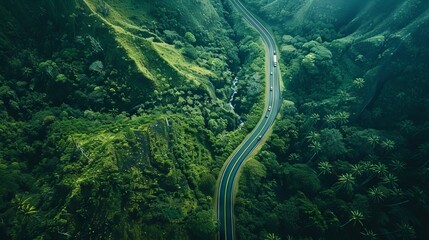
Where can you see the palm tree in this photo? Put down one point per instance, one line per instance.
(396, 192)
(424, 149)
(330, 120)
(379, 169)
(346, 181)
(315, 117)
(26, 208)
(272, 236)
(342, 117)
(388, 144)
(358, 169)
(367, 165)
(313, 137)
(406, 126)
(373, 158)
(324, 167)
(315, 148)
(343, 94)
(397, 165)
(406, 231)
(368, 234)
(356, 217)
(418, 194)
(373, 140)
(294, 157)
(390, 179)
(26, 72)
(359, 82)
(376, 194)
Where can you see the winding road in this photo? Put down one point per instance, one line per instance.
(228, 175)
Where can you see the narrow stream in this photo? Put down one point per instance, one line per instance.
(231, 98)
(234, 89)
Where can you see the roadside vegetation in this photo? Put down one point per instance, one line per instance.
(348, 159)
(115, 117)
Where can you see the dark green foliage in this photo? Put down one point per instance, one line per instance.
(190, 52)
(90, 148)
(207, 184)
(332, 142)
(300, 177)
(202, 225)
(348, 160)
(190, 38)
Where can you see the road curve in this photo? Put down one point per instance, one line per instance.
(224, 200)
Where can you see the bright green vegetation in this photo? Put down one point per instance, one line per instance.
(348, 159)
(114, 119)
(114, 116)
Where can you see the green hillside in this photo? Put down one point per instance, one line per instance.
(115, 116)
(348, 159)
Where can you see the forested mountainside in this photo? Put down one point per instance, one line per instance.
(349, 158)
(115, 116)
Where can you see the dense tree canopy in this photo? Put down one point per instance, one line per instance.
(346, 160)
(114, 117)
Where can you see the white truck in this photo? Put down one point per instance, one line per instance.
(275, 59)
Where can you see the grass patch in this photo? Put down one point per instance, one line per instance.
(156, 60)
(182, 65)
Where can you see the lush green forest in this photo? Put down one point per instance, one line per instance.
(115, 116)
(349, 157)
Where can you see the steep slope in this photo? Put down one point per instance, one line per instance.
(155, 37)
(349, 158)
(115, 117)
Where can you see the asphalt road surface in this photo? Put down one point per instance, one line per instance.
(225, 201)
